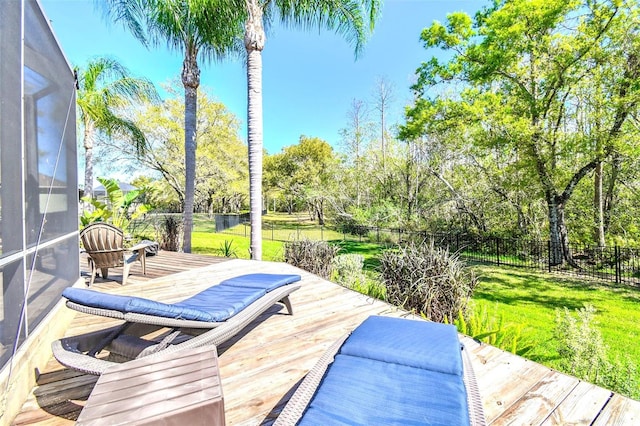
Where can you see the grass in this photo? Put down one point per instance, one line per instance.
(211, 243)
(370, 251)
(531, 299)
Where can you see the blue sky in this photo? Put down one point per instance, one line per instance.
(309, 78)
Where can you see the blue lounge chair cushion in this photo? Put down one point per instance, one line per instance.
(216, 303)
(393, 371)
(267, 282)
(419, 344)
(361, 391)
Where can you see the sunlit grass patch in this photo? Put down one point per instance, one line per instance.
(531, 299)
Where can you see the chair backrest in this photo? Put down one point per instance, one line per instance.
(104, 243)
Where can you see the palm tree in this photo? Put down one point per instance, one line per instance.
(352, 18)
(104, 87)
(206, 29)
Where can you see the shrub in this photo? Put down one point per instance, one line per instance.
(580, 345)
(169, 232)
(347, 269)
(427, 280)
(371, 287)
(119, 209)
(349, 224)
(383, 237)
(584, 354)
(312, 256)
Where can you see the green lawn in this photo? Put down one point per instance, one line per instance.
(212, 243)
(275, 227)
(531, 299)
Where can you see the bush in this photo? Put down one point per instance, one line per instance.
(427, 280)
(371, 287)
(584, 354)
(312, 256)
(169, 233)
(347, 269)
(347, 224)
(383, 237)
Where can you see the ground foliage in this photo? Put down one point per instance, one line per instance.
(427, 280)
(313, 256)
(584, 354)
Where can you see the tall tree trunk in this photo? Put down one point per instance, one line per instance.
(610, 196)
(254, 40)
(558, 234)
(191, 81)
(556, 218)
(598, 204)
(89, 136)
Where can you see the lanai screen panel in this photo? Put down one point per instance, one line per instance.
(38, 173)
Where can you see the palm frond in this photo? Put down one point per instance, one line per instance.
(353, 19)
(211, 27)
(128, 12)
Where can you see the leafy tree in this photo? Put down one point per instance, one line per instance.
(305, 172)
(105, 88)
(200, 30)
(352, 18)
(523, 66)
(158, 195)
(221, 160)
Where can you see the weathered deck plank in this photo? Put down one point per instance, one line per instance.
(263, 364)
(619, 411)
(543, 398)
(580, 407)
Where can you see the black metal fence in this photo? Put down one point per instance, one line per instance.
(614, 264)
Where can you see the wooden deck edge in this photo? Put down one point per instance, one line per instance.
(19, 375)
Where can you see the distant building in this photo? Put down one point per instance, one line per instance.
(100, 192)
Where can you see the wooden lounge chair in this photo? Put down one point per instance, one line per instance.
(207, 318)
(104, 244)
(389, 371)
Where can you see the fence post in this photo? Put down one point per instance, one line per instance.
(272, 226)
(378, 234)
(616, 254)
(245, 230)
(549, 255)
(498, 250)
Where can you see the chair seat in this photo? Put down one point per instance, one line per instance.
(362, 391)
(104, 244)
(217, 303)
(389, 371)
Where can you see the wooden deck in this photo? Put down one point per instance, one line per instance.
(261, 366)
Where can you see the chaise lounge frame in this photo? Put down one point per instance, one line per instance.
(80, 352)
